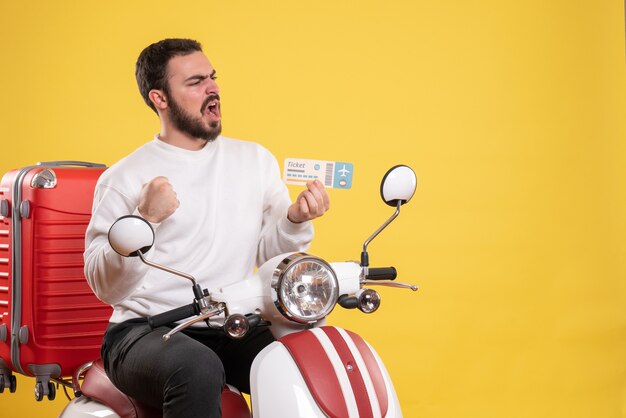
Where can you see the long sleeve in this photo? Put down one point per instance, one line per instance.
(111, 276)
(278, 234)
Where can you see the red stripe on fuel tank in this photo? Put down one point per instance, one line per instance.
(317, 371)
(374, 371)
(354, 374)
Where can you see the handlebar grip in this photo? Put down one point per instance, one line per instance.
(348, 302)
(253, 320)
(382, 273)
(174, 315)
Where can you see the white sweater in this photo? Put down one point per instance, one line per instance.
(232, 216)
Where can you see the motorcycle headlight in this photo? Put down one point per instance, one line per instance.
(306, 288)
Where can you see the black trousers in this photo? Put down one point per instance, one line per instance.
(185, 375)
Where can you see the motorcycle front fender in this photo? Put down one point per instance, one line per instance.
(323, 372)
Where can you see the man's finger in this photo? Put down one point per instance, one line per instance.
(317, 193)
(304, 208)
(311, 202)
(321, 194)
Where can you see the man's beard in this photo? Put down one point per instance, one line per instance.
(194, 126)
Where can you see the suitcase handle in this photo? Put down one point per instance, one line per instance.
(69, 162)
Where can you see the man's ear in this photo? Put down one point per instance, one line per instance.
(158, 98)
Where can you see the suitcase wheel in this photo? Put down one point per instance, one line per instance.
(12, 383)
(52, 393)
(39, 391)
(48, 389)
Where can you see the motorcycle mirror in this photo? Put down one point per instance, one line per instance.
(398, 185)
(130, 235)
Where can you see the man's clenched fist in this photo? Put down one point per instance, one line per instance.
(157, 200)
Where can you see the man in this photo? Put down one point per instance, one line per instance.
(218, 208)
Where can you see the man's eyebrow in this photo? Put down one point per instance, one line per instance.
(197, 77)
(200, 77)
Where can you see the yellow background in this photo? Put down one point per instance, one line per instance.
(511, 112)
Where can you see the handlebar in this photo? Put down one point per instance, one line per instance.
(173, 315)
(382, 273)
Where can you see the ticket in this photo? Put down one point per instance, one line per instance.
(333, 174)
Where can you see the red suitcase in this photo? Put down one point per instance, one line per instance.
(50, 320)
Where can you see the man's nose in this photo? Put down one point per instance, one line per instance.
(212, 87)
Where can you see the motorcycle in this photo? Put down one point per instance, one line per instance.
(311, 370)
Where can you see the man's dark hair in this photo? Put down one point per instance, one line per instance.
(151, 68)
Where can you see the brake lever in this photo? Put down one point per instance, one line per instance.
(389, 284)
(217, 310)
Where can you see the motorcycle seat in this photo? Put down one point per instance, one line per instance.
(96, 385)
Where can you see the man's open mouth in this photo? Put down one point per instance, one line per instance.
(211, 107)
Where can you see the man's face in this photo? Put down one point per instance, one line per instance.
(193, 96)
